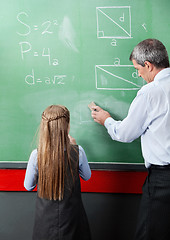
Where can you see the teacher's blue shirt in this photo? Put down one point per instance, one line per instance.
(148, 117)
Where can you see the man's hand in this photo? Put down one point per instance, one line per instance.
(99, 115)
(72, 140)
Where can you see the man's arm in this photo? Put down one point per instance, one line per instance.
(129, 128)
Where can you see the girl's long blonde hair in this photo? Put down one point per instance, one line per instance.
(53, 144)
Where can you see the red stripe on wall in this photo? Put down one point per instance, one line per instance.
(115, 182)
(100, 182)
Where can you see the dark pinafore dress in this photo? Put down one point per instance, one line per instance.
(62, 220)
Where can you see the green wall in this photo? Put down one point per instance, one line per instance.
(72, 52)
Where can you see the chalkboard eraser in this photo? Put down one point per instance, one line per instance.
(91, 105)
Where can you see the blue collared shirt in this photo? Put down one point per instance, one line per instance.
(148, 117)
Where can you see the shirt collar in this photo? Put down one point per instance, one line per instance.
(162, 74)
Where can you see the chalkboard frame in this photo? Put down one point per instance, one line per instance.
(93, 166)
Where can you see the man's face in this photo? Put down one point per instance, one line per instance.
(143, 71)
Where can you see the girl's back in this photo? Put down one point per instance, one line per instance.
(65, 219)
(55, 167)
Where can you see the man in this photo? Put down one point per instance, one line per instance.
(149, 117)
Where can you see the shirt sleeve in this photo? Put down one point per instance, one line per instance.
(84, 168)
(134, 124)
(31, 176)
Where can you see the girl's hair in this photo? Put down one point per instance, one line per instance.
(53, 149)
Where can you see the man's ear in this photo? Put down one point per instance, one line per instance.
(149, 65)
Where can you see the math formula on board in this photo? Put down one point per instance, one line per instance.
(46, 30)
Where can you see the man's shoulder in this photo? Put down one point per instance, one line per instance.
(153, 92)
(147, 88)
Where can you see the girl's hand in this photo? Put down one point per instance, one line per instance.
(72, 140)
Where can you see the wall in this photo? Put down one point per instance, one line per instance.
(111, 216)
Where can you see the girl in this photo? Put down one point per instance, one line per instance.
(55, 167)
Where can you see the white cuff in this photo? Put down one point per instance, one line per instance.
(108, 122)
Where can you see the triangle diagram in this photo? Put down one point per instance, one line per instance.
(114, 22)
(114, 78)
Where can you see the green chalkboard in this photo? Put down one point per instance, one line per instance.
(72, 52)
